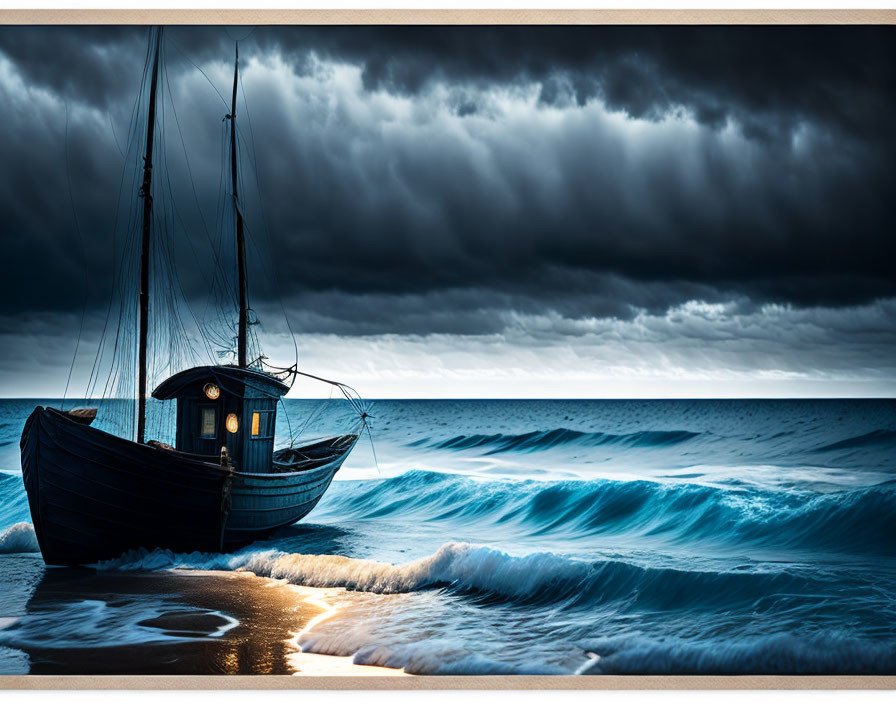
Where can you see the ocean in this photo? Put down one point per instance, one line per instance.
(554, 537)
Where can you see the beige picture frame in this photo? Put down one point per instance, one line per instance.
(453, 17)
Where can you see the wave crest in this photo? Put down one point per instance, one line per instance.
(877, 437)
(19, 537)
(858, 520)
(484, 572)
(542, 440)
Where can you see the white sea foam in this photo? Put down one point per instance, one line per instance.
(459, 564)
(442, 656)
(89, 623)
(19, 537)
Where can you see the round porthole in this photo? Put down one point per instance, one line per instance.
(232, 423)
(212, 391)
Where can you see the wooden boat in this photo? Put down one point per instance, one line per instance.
(94, 495)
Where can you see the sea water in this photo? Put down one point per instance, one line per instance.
(560, 537)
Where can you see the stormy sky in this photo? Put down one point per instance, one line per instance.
(481, 211)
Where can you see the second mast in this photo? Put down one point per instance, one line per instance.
(240, 237)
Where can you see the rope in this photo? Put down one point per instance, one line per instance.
(251, 32)
(114, 136)
(71, 199)
(174, 44)
(226, 503)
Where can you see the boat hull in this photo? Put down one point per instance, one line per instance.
(94, 495)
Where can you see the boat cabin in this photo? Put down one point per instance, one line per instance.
(225, 406)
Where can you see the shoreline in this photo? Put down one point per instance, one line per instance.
(316, 664)
(190, 622)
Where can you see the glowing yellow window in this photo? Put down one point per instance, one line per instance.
(256, 422)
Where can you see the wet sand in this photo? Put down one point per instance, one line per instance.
(212, 623)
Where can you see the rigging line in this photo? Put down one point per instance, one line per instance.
(366, 426)
(181, 52)
(125, 313)
(71, 199)
(344, 388)
(171, 273)
(278, 291)
(180, 346)
(202, 217)
(219, 291)
(312, 417)
(122, 359)
(114, 136)
(171, 202)
(286, 415)
(241, 39)
(221, 295)
(132, 135)
(121, 315)
(186, 157)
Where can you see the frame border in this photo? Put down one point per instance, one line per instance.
(456, 17)
(447, 682)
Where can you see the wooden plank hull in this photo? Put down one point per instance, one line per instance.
(94, 495)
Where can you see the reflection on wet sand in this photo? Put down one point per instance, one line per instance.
(80, 621)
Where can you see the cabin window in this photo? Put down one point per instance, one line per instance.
(207, 429)
(261, 425)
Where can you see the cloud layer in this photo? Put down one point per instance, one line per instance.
(489, 188)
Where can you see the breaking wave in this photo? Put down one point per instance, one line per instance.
(19, 537)
(13, 501)
(484, 572)
(487, 577)
(858, 520)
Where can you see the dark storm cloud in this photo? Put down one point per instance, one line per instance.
(765, 77)
(768, 78)
(480, 310)
(86, 63)
(459, 199)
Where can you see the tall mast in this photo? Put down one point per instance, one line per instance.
(146, 194)
(240, 238)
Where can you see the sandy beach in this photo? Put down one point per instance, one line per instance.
(208, 623)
